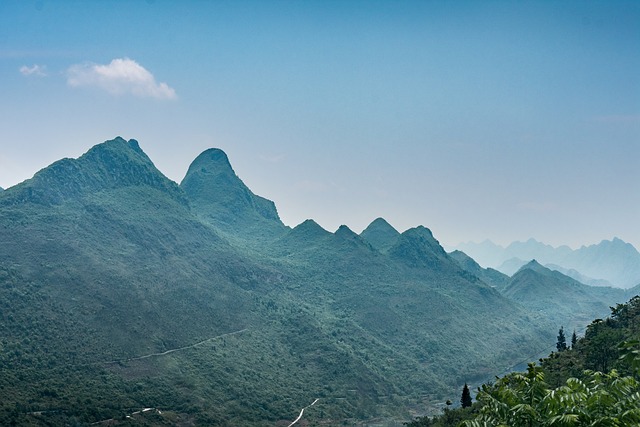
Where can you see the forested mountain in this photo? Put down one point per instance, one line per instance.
(122, 290)
(613, 261)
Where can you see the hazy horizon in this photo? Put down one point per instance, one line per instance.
(478, 120)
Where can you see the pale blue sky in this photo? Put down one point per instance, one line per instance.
(478, 119)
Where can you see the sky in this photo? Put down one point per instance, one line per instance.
(480, 120)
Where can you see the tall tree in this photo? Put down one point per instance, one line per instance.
(574, 339)
(561, 345)
(465, 400)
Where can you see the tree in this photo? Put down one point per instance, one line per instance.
(525, 400)
(561, 345)
(465, 400)
(574, 339)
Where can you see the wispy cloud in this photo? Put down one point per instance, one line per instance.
(121, 76)
(35, 70)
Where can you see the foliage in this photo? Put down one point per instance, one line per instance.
(601, 347)
(526, 400)
(590, 398)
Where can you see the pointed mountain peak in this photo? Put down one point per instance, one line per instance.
(112, 164)
(463, 258)
(345, 231)
(220, 196)
(418, 247)
(616, 242)
(345, 234)
(534, 265)
(381, 224)
(422, 232)
(213, 161)
(380, 234)
(309, 229)
(310, 225)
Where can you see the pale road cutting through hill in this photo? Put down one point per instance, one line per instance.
(164, 353)
(302, 412)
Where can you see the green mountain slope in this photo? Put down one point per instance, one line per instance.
(120, 290)
(560, 298)
(488, 275)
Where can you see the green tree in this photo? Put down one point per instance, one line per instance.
(465, 400)
(574, 339)
(561, 345)
(524, 400)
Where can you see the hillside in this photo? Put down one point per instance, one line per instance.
(563, 300)
(121, 290)
(488, 275)
(559, 298)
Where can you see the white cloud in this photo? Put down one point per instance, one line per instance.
(35, 70)
(120, 76)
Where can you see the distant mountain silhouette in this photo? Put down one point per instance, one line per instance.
(613, 261)
(511, 266)
(575, 274)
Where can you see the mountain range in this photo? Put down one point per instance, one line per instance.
(556, 296)
(608, 263)
(126, 297)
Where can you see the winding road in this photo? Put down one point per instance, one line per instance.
(302, 412)
(164, 353)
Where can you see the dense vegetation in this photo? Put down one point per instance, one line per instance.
(121, 290)
(595, 382)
